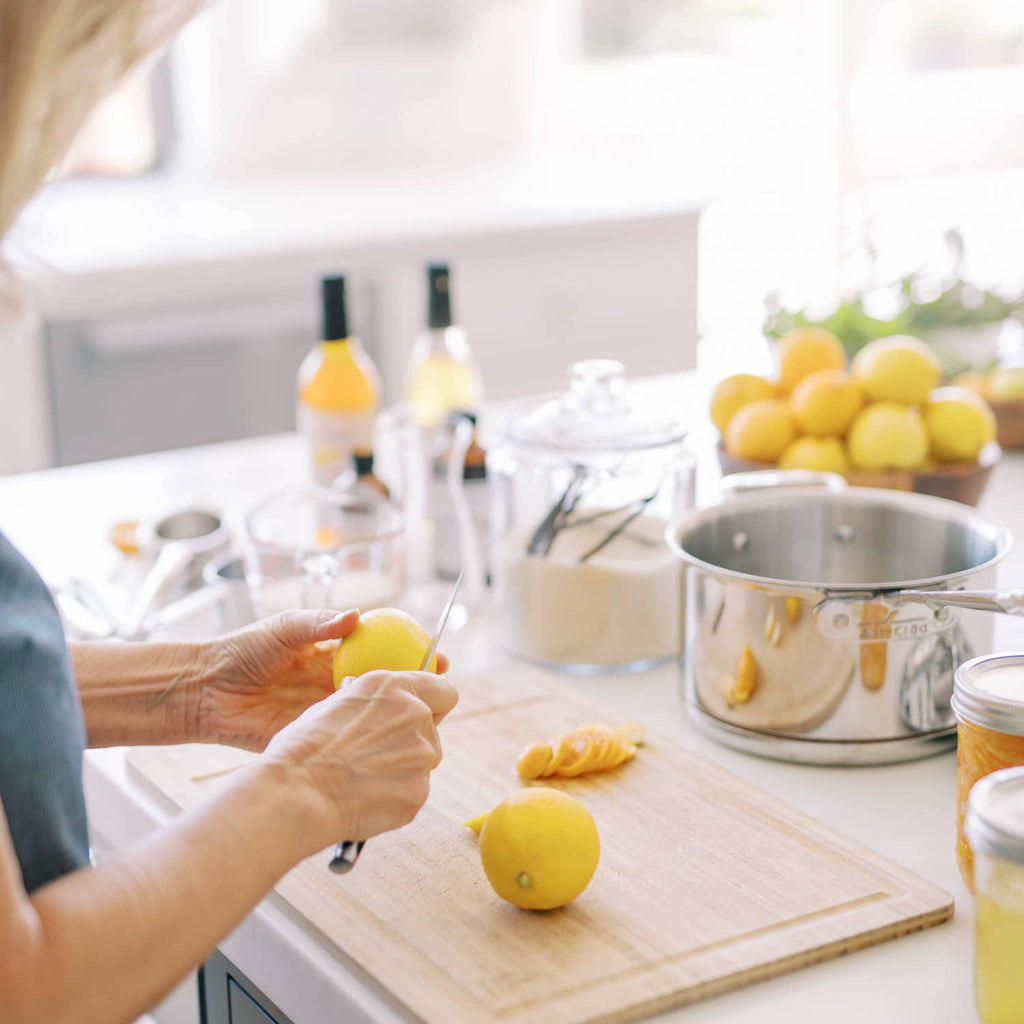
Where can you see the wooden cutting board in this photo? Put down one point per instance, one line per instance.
(705, 883)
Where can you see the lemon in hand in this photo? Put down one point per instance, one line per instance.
(888, 435)
(385, 638)
(959, 424)
(896, 369)
(539, 848)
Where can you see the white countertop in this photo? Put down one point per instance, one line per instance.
(117, 236)
(906, 811)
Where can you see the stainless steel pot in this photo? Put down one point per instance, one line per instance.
(849, 603)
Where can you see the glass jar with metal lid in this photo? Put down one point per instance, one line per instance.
(584, 486)
(988, 700)
(995, 831)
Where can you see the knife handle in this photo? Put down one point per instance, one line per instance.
(345, 855)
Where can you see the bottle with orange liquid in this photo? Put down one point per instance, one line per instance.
(338, 391)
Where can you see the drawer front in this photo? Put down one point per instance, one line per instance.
(227, 996)
(529, 316)
(244, 1009)
(179, 376)
(104, 405)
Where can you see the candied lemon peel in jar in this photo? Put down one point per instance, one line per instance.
(988, 700)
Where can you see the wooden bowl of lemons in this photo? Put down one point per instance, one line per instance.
(882, 421)
(959, 481)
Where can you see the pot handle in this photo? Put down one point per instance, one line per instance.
(844, 617)
(736, 484)
(1009, 602)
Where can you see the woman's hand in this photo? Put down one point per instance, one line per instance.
(362, 757)
(264, 676)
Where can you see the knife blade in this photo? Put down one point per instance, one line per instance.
(346, 853)
(441, 623)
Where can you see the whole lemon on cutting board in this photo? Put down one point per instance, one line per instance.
(805, 350)
(888, 435)
(761, 431)
(896, 369)
(732, 393)
(539, 848)
(825, 402)
(823, 454)
(385, 638)
(959, 424)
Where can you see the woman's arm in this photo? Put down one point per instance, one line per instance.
(108, 943)
(141, 693)
(239, 689)
(103, 945)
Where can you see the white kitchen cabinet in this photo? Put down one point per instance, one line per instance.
(196, 337)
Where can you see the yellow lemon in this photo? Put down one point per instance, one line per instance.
(959, 424)
(761, 431)
(824, 454)
(803, 351)
(888, 435)
(979, 383)
(897, 369)
(385, 638)
(732, 393)
(1007, 384)
(825, 402)
(539, 848)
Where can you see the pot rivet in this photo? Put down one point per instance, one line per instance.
(841, 621)
(845, 534)
(943, 613)
(740, 541)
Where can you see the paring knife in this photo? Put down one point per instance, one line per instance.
(346, 853)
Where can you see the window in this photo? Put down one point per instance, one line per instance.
(130, 131)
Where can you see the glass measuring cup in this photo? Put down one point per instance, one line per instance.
(314, 547)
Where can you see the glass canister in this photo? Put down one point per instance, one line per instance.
(995, 830)
(988, 699)
(584, 486)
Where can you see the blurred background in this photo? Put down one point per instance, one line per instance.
(667, 182)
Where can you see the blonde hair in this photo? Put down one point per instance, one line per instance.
(57, 59)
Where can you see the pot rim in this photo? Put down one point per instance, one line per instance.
(963, 514)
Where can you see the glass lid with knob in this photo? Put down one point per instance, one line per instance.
(596, 414)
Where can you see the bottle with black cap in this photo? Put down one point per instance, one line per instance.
(365, 478)
(338, 390)
(442, 374)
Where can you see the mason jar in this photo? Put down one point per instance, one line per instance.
(995, 831)
(988, 700)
